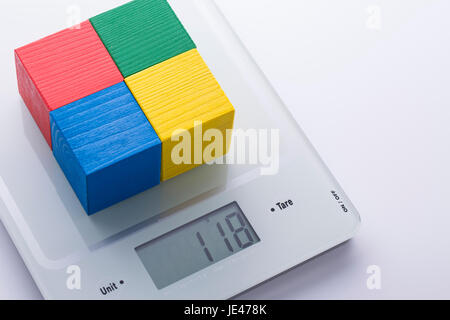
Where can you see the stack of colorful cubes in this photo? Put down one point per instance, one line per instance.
(109, 94)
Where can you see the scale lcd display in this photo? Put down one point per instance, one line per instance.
(197, 245)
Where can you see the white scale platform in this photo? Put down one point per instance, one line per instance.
(52, 232)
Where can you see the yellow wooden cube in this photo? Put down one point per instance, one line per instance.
(182, 94)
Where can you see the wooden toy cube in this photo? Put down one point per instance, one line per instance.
(175, 95)
(106, 147)
(62, 68)
(142, 33)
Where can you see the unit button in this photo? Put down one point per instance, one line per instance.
(111, 287)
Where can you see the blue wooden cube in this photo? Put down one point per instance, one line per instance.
(106, 147)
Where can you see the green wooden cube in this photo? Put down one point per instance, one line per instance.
(142, 33)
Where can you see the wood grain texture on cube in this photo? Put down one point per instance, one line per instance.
(141, 34)
(174, 95)
(106, 147)
(33, 99)
(65, 67)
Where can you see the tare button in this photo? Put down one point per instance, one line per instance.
(281, 206)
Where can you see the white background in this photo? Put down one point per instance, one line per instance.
(369, 82)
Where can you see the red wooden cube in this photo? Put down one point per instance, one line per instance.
(62, 68)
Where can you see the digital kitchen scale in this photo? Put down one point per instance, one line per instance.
(211, 233)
